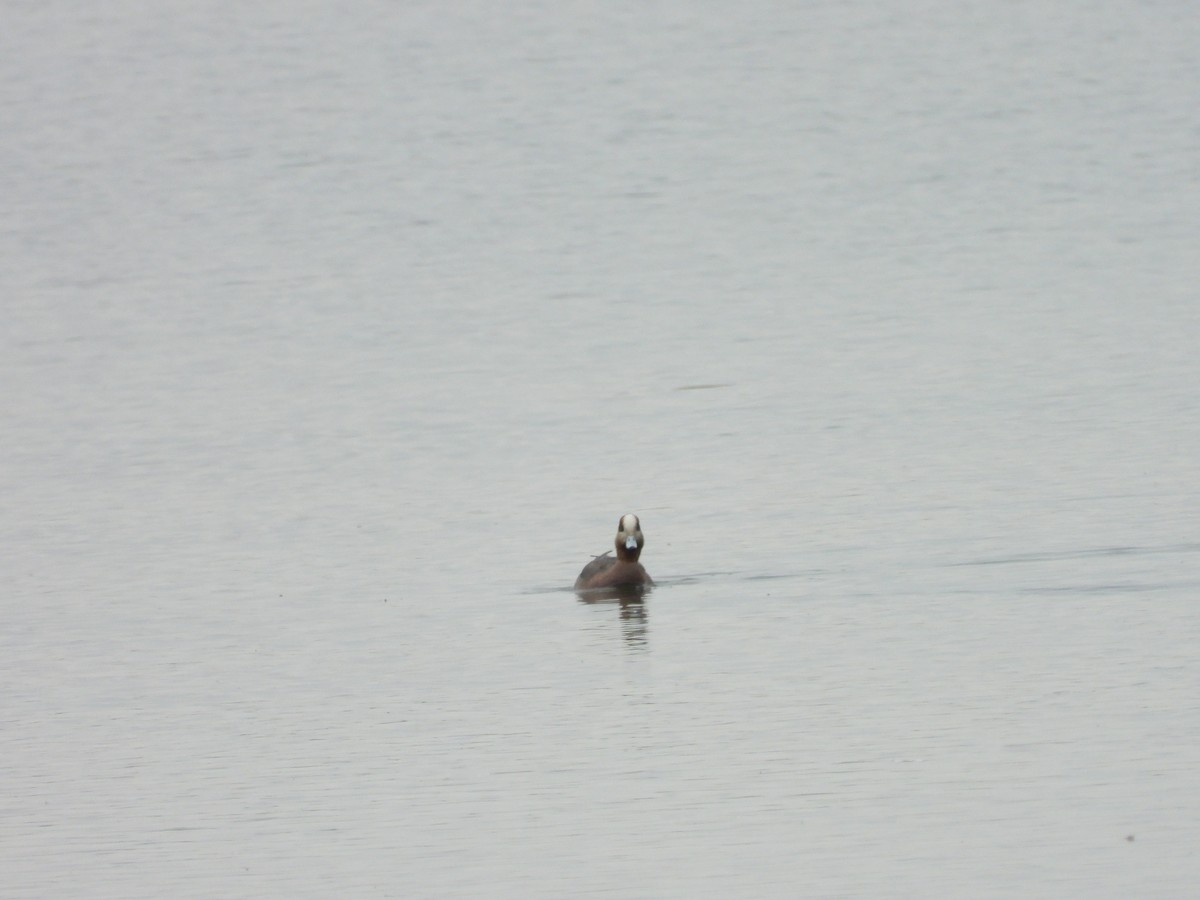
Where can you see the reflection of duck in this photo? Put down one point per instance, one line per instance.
(623, 570)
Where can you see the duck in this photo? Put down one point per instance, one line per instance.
(622, 570)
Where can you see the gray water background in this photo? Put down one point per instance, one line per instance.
(336, 339)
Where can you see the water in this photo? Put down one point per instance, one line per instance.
(337, 340)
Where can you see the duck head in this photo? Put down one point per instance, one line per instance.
(630, 539)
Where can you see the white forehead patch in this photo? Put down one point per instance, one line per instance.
(629, 522)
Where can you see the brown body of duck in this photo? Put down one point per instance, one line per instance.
(622, 570)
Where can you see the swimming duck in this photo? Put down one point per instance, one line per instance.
(623, 570)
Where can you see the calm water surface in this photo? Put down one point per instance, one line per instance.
(337, 340)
